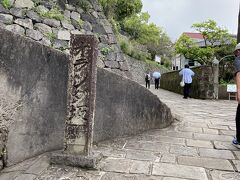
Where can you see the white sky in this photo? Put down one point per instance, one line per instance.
(177, 16)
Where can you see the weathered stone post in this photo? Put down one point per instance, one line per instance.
(82, 95)
(81, 104)
(215, 68)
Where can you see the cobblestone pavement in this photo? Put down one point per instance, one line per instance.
(196, 146)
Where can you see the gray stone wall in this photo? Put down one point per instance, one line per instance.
(139, 68)
(123, 107)
(33, 101)
(222, 92)
(41, 22)
(202, 85)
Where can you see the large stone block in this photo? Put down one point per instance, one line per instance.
(67, 25)
(63, 35)
(18, 12)
(43, 28)
(16, 29)
(75, 16)
(34, 16)
(119, 165)
(89, 18)
(224, 175)
(75, 160)
(52, 22)
(60, 44)
(24, 4)
(112, 64)
(118, 103)
(214, 153)
(36, 77)
(36, 35)
(199, 143)
(209, 163)
(183, 150)
(87, 26)
(3, 10)
(27, 23)
(6, 18)
(180, 171)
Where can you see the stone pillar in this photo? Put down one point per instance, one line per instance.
(215, 68)
(81, 104)
(82, 94)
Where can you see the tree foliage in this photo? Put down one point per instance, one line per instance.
(125, 16)
(216, 40)
(211, 32)
(120, 9)
(148, 34)
(126, 8)
(139, 29)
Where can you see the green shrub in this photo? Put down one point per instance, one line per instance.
(6, 4)
(80, 22)
(106, 50)
(115, 26)
(84, 4)
(224, 82)
(51, 36)
(37, 2)
(125, 47)
(54, 13)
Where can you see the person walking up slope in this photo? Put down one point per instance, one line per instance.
(147, 80)
(156, 75)
(186, 74)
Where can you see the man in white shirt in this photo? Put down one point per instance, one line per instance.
(187, 78)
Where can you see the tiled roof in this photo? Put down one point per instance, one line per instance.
(194, 35)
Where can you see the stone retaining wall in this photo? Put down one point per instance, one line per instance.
(202, 86)
(33, 21)
(139, 68)
(33, 101)
(123, 107)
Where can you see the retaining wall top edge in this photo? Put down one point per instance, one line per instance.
(4, 31)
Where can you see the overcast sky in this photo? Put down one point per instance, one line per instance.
(177, 16)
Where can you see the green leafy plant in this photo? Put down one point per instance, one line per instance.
(51, 36)
(106, 50)
(129, 47)
(80, 22)
(37, 2)
(54, 13)
(125, 47)
(6, 4)
(120, 9)
(84, 4)
(115, 26)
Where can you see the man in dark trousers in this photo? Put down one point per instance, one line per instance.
(157, 80)
(236, 141)
(147, 80)
(186, 74)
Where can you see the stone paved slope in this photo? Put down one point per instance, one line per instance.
(198, 146)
